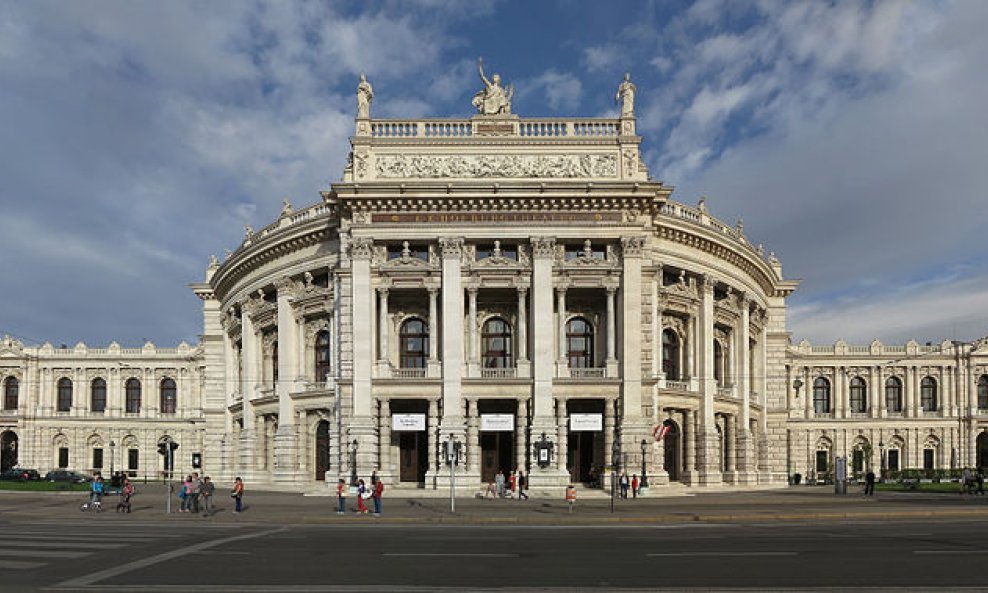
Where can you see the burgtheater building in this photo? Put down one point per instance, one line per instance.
(520, 286)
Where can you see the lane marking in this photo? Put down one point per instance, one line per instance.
(102, 575)
(449, 555)
(20, 543)
(43, 553)
(20, 564)
(950, 552)
(714, 554)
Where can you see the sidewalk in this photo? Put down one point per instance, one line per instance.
(714, 506)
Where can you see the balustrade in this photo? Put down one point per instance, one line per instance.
(587, 373)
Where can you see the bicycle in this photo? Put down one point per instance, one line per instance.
(94, 504)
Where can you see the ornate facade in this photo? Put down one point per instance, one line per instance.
(506, 283)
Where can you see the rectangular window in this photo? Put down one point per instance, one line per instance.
(97, 458)
(133, 461)
(928, 458)
(894, 460)
(822, 461)
(63, 457)
(857, 461)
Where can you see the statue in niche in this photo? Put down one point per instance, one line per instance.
(626, 94)
(365, 94)
(494, 99)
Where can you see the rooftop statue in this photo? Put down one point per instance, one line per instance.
(365, 94)
(626, 94)
(494, 99)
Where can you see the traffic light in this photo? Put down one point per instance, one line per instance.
(162, 449)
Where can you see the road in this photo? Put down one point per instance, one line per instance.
(90, 554)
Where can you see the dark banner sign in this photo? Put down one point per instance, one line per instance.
(495, 217)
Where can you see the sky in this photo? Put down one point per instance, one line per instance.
(139, 137)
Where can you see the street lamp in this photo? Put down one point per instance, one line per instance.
(112, 445)
(644, 483)
(881, 454)
(353, 462)
(615, 462)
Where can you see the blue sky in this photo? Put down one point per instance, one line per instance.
(139, 137)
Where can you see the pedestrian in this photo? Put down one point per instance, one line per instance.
(979, 476)
(870, 483)
(362, 493)
(206, 490)
(378, 492)
(512, 484)
(374, 478)
(522, 484)
(238, 494)
(967, 481)
(183, 495)
(499, 481)
(624, 484)
(194, 488)
(97, 493)
(634, 486)
(341, 497)
(123, 505)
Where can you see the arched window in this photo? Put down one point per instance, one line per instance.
(322, 356)
(11, 387)
(821, 396)
(97, 395)
(893, 395)
(670, 355)
(983, 392)
(859, 395)
(928, 394)
(64, 395)
(579, 343)
(169, 396)
(274, 361)
(413, 344)
(496, 344)
(718, 363)
(133, 393)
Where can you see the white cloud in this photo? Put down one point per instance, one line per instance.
(562, 90)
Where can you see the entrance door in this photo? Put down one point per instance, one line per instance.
(496, 449)
(8, 451)
(581, 459)
(982, 449)
(322, 449)
(413, 456)
(673, 452)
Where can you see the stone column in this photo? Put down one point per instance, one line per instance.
(609, 430)
(746, 453)
(874, 391)
(452, 424)
(691, 350)
(249, 381)
(808, 392)
(361, 426)
(611, 326)
(707, 463)
(433, 370)
(383, 331)
(562, 455)
(634, 425)
(286, 439)
(657, 348)
(690, 474)
(521, 425)
(474, 362)
(431, 474)
(562, 360)
(386, 468)
(524, 367)
(473, 439)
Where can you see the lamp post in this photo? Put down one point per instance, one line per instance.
(353, 462)
(452, 458)
(644, 483)
(881, 454)
(615, 461)
(112, 449)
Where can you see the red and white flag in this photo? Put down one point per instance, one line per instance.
(660, 431)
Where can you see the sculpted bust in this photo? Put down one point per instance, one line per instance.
(494, 99)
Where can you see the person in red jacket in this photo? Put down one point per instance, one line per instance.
(378, 491)
(634, 486)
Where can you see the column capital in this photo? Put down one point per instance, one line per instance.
(361, 248)
(451, 247)
(286, 286)
(633, 246)
(543, 247)
(383, 290)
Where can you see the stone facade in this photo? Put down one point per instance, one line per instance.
(507, 284)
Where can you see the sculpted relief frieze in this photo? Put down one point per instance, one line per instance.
(508, 165)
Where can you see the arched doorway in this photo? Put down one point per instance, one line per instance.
(8, 450)
(982, 446)
(322, 449)
(673, 450)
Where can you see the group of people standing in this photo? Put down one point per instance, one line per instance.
(97, 490)
(507, 486)
(627, 485)
(196, 495)
(364, 492)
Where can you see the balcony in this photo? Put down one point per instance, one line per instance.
(725, 391)
(587, 373)
(860, 415)
(932, 413)
(509, 373)
(678, 385)
(412, 373)
(823, 414)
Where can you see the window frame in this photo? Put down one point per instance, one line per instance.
(323, 356)
(409, 357)
(580, 359)
(671, 352)
(893, 393)
(95, 386)
(11, 393)
(490, 356)
(168, 396)
(133, 394)
(928, 394)
(822, 400)
(63, 399)
(858, 395)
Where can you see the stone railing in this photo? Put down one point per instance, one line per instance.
(589, 373)
(893, 414)
(823, 414)
(510, 373)
(701, 218)
(860, 415)
(532, 127)
(932, 413)
(417, 373)
(725, 391)
(678, 385)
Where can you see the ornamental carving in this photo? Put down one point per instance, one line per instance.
(361, 248)
(632, 246)
(400, 166)
(543, 247)
(451, 247)
(286, 287)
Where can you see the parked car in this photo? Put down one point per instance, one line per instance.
(20, 474)
(66, 475)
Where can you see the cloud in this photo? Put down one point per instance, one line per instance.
(562, 90)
